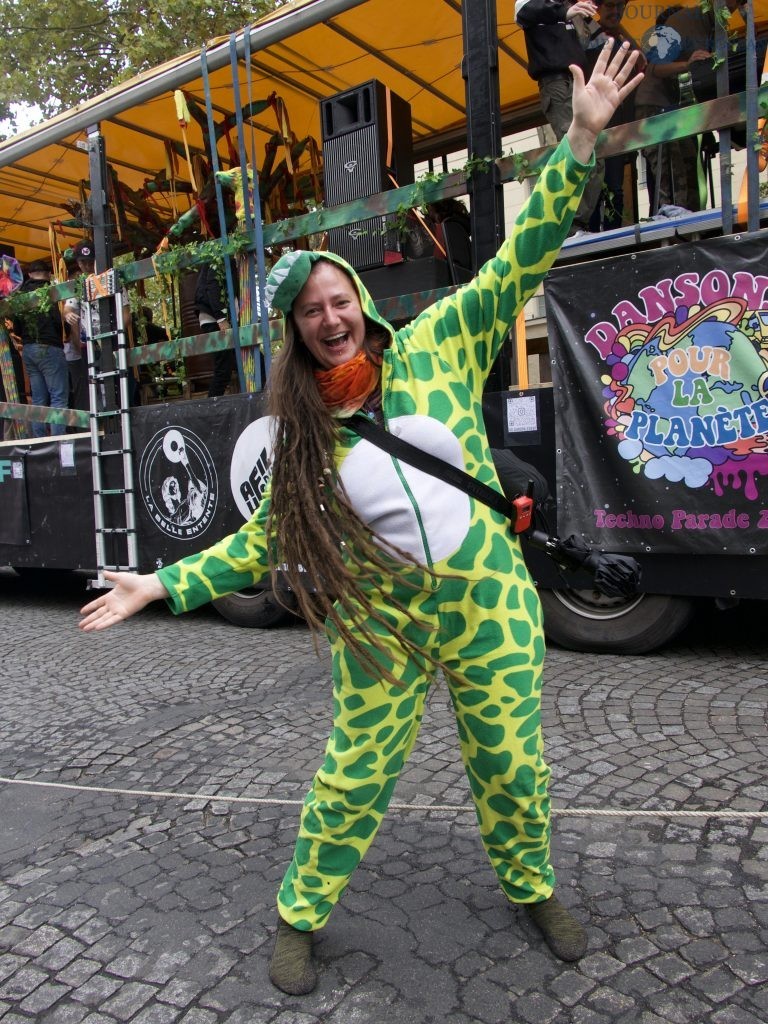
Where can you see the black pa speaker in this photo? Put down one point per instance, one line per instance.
(366, 133)
(704, 75)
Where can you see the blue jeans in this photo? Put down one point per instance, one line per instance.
(48, 381)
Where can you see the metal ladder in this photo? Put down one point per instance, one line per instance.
(111, 427)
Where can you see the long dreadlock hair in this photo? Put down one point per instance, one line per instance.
(323, 550)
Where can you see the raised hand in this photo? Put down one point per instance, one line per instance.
(595, 102)
(131, 593)
(586, 8)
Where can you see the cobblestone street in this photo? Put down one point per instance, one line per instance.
(126, 896)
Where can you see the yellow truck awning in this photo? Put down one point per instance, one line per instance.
(303, 52)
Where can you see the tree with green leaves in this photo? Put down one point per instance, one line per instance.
(58, 55)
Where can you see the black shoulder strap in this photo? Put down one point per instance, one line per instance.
(430, 464)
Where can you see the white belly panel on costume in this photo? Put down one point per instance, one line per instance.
(433, 510)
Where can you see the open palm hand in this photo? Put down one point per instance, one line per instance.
(596, 101)
(129, 594)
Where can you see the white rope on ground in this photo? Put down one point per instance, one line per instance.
(565, 812)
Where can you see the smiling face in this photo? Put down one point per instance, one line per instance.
(610, 13)
(328, 316)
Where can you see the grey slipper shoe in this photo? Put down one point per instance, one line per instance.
(291, 968)
(562, 932)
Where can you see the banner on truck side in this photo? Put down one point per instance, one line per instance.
(201, 468)
(14, 522)
(660, 375)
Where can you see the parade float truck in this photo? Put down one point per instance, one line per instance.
(650, 416)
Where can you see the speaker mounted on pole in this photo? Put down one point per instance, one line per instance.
(367, 142)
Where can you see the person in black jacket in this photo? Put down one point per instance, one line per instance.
(556, 36)
(213, 315)
(42, 336)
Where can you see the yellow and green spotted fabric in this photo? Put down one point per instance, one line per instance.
(479, 613)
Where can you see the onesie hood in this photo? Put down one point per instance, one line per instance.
(289, 275)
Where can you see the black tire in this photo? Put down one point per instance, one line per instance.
(585, 620)
(253, 608)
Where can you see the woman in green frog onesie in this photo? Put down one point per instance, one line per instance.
(423, 576)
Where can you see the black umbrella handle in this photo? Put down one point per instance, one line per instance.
(614, 575)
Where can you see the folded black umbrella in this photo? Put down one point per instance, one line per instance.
(614, 575)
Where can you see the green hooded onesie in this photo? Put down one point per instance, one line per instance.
(479, 613)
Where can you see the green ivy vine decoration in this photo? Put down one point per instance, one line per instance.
(213, 251)
(22, 304)
(474, 165)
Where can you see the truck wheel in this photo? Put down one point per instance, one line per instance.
(585, 620)
(254, 608)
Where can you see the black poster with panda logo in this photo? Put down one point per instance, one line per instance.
(200, 472)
